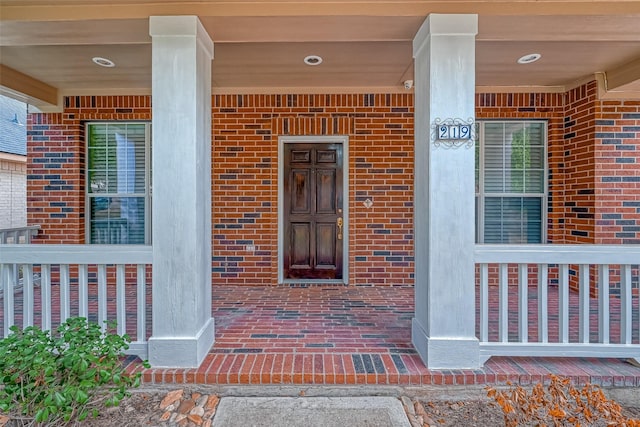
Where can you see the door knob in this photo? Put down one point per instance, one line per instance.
(339, 224)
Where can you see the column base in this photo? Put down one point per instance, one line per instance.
(445, 352)
(182, 352)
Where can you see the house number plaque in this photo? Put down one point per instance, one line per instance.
(453, 133)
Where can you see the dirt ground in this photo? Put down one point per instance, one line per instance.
(143, 409)
(480, 413)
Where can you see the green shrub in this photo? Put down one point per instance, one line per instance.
(65, 376)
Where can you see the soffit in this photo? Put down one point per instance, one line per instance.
(360, 51)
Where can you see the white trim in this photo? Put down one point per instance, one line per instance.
(490, 349)
(147, 177)
(319, 139)
(14, 158)
(182, 351)
(75, 254)
(181, 26)
(481, 195)
(444, 25)
(557, 254)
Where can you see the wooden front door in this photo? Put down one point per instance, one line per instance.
(313, 221)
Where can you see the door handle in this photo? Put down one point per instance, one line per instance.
(339, 224)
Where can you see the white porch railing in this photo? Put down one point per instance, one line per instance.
(18, 234)
(599, 319)
(99, 282)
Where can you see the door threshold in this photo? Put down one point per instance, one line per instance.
(305, 283)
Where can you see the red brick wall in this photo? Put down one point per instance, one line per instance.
(579, 166)
(594, 182)
(56, 162)
(617, 172)
(55, 178)
(245, 177)
(602, 178)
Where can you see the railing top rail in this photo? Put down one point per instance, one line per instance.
(558, 254)
(31, 228)
(75, 254)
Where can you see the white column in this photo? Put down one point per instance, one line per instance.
(183, 329)
(443, 329)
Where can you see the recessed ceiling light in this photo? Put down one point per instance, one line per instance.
(529, 58)
(313, 60)
(103, 62)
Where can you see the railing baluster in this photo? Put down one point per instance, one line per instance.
(484, 302)
(83, 291)
(16, 276)
(65, 297)
(28, 303)
(503, 304)
(575, 332)
(102, 295)
(583, 294)
(625, 304)
(54, 264)
(121, 311)
(563, 303)
(45, 298)
(603, 304)
(543, 303)
(523, 303)
(8, 289)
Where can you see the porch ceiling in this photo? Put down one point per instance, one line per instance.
(366, 46)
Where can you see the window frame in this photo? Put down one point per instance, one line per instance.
(147, 177)
(481, 194)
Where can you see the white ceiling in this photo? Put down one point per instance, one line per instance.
(366, 47)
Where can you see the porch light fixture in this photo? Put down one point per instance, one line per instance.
(529, 58)
(103, 62)
(313, 60)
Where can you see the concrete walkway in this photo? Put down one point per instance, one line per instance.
(311, 412)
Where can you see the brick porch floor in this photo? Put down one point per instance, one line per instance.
(353, 335)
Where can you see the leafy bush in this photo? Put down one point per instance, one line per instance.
(560, 404)
(65, 376)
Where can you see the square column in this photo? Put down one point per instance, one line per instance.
(443, 329)
(183, 329)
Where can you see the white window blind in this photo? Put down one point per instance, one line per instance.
(510, 181)
(118, 183)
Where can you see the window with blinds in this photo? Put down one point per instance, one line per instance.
(118, 183)
(511, 188)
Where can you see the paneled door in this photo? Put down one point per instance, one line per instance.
(313, 212)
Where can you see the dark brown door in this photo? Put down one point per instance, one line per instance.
(313, 221)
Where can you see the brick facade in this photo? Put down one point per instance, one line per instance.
(245, 179)
(578, 167)
(56, 162)
(617, 172)
(593, 176)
